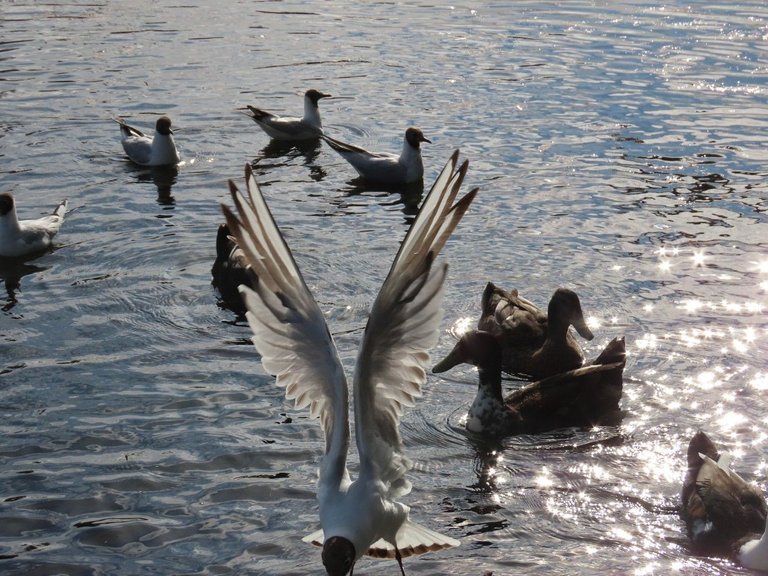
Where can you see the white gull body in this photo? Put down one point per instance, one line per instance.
(20, 238)
(287, 128)
(385, 168)
(290, 332)
(159, 150)
(754, 554)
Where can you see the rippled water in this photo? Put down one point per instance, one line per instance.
(620, 150)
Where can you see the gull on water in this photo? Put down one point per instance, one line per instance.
(141, 149)
(287, 128)
(385, 168)
(20, 238)
(290, 332)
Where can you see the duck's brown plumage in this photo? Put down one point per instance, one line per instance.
(229, 271)
(585, 396)
(721, 510)
(533, 342)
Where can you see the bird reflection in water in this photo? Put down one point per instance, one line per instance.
(407, 196)
(164, 177)
(11, 273)
(305, 150)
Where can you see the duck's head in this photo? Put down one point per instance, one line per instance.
(475, 347)
(163, 126)
(224, 242)
(565, 309)
(338, 556)
(415, 137)
(315, 95)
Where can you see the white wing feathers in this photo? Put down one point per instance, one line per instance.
(289, 330)
(291, 334)
(402, 327)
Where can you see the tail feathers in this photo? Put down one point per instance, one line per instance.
(412, 539)
(316, 538)
(343, 147)
(60, 210)
(615, 351)
(258, 113)
(126, 130)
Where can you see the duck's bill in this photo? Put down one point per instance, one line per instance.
(583, 329)
(453, 359)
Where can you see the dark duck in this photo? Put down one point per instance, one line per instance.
(724, 514)
(534, 343)
(229, 271)
(584, 396)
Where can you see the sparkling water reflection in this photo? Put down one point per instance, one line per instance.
(619, 149)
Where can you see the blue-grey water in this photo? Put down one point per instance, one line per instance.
(620, 149)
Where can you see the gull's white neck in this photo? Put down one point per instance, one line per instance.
(9, 224)
(311, 113)
(410, 157)
(164, 150)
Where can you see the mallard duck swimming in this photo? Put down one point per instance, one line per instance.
(584, 396)
(362, 516)
(229, 270)
(532, 342)
(724, 514)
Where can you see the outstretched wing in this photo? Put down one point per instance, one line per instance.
(403, 325)
(289, 330)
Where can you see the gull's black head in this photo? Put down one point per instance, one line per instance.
(6, 203)
(414, 137)
(315, 95)
(164, 125)
(338, 556)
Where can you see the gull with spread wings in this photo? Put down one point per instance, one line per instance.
(290, 333)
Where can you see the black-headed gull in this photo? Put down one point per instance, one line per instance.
(141, 149)
(725, 514)
(21, 238)
(385, 168)
(290, 332)
(287, 128)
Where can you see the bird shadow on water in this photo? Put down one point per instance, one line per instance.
(11, 273)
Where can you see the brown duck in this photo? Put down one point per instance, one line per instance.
(532, 342)
(229, 271)
(724, 514)
(584, 396)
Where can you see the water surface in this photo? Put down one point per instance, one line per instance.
(620, 150)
